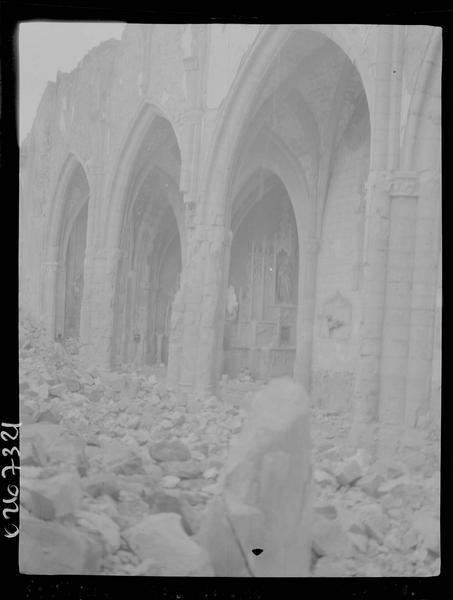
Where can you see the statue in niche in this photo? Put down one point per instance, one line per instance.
(284, 279)
(232, 304)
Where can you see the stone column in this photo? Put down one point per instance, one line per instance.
(49, 303)
(88, 268)
(192, 289)
(175, 348)
(403, 192)
(306, 310)
(422, 310)
(98, 349)
(384, 156)
(367, 383)
(436, 367)
(212, 309)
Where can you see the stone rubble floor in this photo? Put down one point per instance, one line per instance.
(101, 451)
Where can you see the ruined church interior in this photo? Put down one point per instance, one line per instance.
(230, 299)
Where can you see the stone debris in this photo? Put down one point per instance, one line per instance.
(329, 537)
(102, 525)
(370, 483)
(56, 549)
(169, 451)
(53, 497)
(162, 538)
(169, 481)
(96, 464)
(349, 472)
(102, 484)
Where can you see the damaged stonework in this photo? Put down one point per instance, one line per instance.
(265, 498)
(295, 165)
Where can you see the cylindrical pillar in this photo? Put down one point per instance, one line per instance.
(192, 286)
(423, 305)
(306, 310)
(49, 299)
(385, 111)
(403, 194)
(367, 384)
(213, 308)
(98, 351)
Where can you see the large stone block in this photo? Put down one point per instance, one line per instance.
(53, 497)
(102, 526)
(117, 457)
(161, 537)
(49, 443)
(265, 498)
(55, 549)
(169, 451)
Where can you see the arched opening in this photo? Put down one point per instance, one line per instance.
(71, 256)
(261, 313)
(167, 284)
(150, 259)
(307, 115)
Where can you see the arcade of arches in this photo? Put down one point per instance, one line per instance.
(248, 198)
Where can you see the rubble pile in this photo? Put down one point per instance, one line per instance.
(373, 517)
(103, 456)
(118, 471)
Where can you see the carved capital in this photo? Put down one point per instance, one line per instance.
(403, 183)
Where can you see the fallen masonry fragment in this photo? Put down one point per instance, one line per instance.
(55, 549)
(162, 538)
(265, 497)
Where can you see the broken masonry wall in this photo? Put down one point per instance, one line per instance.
(63, 127)
(35, 205)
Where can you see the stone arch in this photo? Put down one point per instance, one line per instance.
(141, 124)
(73, 161)
(261, 320)
(239, 101)
(257, 80)
(148, 215)
(421, 155)
(421, 143)
(66, 250)
(273, 156)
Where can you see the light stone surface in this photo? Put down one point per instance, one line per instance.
(206, 207)
(54, 549)
(265, 498)
(162, 538)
